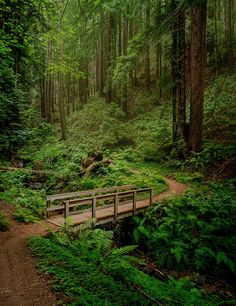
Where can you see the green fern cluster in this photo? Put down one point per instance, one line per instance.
(195, 230)
(30, 204)
(88, 269)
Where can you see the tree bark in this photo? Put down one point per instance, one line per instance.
(178, 74)
(147, 55)
(61, 104)
(198, 61)
(229, 28)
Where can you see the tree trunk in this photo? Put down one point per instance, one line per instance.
(229, 16)
(101, 57)
(111, 55)
(61, 104)
(181, 77)
(125, 80)
(198, 61)
(178, 74)
(147, 55)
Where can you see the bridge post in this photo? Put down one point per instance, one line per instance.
(116, 206)
(94, 200)
(66, 209)
(134, 202)
(151, 196)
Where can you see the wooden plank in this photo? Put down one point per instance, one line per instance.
(84, 201)
(64, 196)
(106, 197)
(55, 208)
(143, 190)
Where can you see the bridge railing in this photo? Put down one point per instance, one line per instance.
(60, 198)
(112, 200)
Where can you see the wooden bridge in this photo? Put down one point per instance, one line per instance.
(99, 205)
(104, 205)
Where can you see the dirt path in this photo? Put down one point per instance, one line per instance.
(174, 188)
(20, 282)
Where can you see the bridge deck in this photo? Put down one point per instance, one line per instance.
(103, 214)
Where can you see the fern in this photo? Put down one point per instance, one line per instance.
(197, 229)
(111, 280)
(222, 258)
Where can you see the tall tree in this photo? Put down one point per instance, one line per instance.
(229, 29)
(197, 63)
(147, 55)
(178, 73)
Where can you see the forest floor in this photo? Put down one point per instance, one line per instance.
(21, 283)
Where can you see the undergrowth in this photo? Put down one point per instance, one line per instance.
(90, 270)
(195, 230)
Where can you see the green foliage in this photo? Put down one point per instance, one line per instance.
(152, 132)
(186, 178)
(30, 204)
(99, 124)
(90, 270)
(211, 154)
(220, 110)
(195, 230)
(4, 222)
(17, 21)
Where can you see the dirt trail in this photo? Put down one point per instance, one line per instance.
(174, 188)
(20, 282)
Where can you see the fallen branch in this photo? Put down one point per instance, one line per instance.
(42, 172)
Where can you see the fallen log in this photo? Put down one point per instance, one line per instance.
(42, 172)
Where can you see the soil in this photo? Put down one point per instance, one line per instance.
(21, 283)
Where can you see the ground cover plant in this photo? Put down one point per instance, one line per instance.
(195, 231)
(89, 269)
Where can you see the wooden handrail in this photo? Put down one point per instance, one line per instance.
(93, 202)
(143, 190)
(61, 196)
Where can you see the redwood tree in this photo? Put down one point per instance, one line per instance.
(197, 63)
